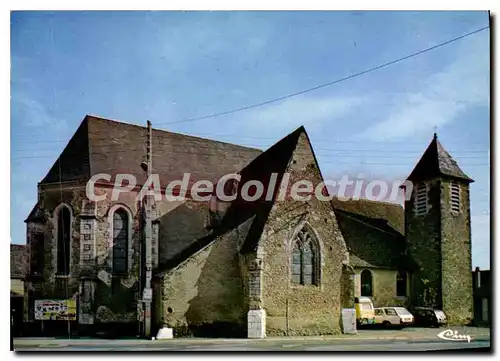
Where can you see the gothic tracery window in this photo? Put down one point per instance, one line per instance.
(305, 259)
(120, 241)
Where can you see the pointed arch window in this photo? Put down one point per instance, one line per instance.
(63, 240)
(120, 241)
(366, 283)
(305, 257)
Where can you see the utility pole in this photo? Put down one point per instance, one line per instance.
(148, 292)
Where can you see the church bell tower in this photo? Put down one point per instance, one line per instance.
(438, 234)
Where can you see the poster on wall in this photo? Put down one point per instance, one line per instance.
(59, 310)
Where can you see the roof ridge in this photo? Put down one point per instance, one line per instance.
(18, 245)
(356, 216)
(90, 117)
(271, 148)
(369, 201)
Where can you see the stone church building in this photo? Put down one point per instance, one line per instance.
(240, 268)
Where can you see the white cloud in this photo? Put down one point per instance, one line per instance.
(312, 112)
(440, 98)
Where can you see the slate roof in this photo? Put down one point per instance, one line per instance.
(273, 160)
(249, 216)
(373, 232)
(181, 230)
(436, 161)
(35, 215)
(107, 146)
(390, 213)
(102, 145)
(18, 260)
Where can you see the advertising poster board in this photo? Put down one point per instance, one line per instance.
(59, 310)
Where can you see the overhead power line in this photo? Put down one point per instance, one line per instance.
(262, 142)
(361, 153)
(125, 147)
(340, 160)
(332, 82)
(239, 136)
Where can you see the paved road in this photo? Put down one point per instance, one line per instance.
(366, 340)
(328, 345)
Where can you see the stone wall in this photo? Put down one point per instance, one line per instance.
(105, 298)
(307, 310)
(440, 243)
(456, 256)
(423, 235)
(112, 299)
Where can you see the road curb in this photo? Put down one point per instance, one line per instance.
(52, 343)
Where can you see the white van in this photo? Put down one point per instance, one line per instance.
(393, 316)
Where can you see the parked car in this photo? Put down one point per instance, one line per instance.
(364, 311)
(427, 316)
(393, 316)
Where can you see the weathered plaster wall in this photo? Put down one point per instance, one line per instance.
(384, 287)
(205, 289)
(17, 286)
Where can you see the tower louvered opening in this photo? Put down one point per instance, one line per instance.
(455, 197)
(421, 199)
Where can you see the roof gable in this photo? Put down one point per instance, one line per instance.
(102, 145)
(273, 160)
(251, 217)
(73, 162)
(436, 161)
(36, 214)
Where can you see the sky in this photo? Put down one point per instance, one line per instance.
(173, 66)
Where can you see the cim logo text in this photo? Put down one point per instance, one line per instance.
(451, 335)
